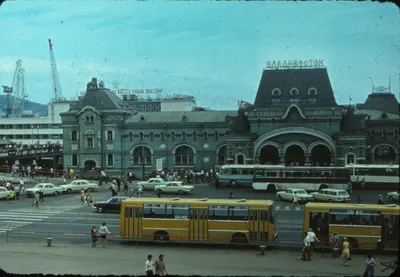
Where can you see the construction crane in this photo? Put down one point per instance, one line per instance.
(56, 92)
(16, 93)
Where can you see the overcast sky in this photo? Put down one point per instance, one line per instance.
(215, 51)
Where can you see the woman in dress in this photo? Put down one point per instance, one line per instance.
(82, 196)
(345, 251)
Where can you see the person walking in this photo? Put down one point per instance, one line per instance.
(306, 254)
(94, 236)
(335, 245)
(126, 188)
(345, 251)
(149, 265)
(41, 194)
(295, 200)
(89, 199)
(349, 188)
(17, 190)
(11, 194)
(370, 267)
(36, 200)
(358, 199)
(140, 191)
(103, 231)
(380, 198)
(82, 196)
(160, 269)
(312, 238)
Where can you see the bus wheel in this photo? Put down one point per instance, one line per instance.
(271, 188)
(239, 238)
(323, 187)
(161, 236)
(354, 243)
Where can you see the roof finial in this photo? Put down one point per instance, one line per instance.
(350, 100)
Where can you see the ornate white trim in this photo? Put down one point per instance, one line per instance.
(89, 133)
(298, 109)
(293, 130)
(269, 143)
(294, 92)
(88, 107)
(297, 143)
(184, 144)
(276, 92)
(309, 91)
(315, 143)
(219, 147)
(238, 154)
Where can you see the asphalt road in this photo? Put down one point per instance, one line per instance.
(66, 219)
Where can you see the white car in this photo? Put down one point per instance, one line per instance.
(47, 188)
(77, 185)
(288, 194)
(151, 183)
(4, 193)
(393, 196)
(332, 195)
(174, 187)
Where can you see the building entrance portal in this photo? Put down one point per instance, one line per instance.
(320, 156)
(294, 155)
(384, 154)
(269, 155)
(90, 165)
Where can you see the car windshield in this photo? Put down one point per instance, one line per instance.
(38, 186)
(301, 191)
(343, 193)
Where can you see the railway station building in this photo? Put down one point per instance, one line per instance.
(294, 120)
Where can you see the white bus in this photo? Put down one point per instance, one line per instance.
(236, 175)
(374, 176)
(279, 177)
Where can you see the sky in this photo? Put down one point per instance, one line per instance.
(215, 51)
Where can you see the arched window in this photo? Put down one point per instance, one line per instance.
(184, 155)
(89, 139)
(110, 159)
(183, 135)
(141, 135)
(216, 135)
(141, 156)
(74, 135)
(194, 135)
(110, 135)
(162, 136)
(330, 120)
(222, 153)
(205, 135)
(173, 135)
(384, 134)
(151, 136)
(74, 161)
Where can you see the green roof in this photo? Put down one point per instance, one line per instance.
(174, 117)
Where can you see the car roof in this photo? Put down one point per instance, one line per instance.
(334, 189)
(295, 189)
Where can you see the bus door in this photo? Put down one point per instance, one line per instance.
(137, 223)
(198, 225)
(258, 226)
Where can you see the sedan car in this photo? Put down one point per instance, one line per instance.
(77, 185)
(174, 187)
(112, 204)
(393, 196)
(288, 195)
(4, 193)
(47, 188)
(331, 195)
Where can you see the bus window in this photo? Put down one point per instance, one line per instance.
(238, 213)
(218, 212)
(234, 171)
(154, 211)
(177, 211)
(259, 173)
(247, 171)
(319, 222)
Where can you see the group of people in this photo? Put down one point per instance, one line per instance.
(102, 234)
(86, 197)
(15, 191)
(157, 268)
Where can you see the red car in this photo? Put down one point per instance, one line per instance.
(112, 204)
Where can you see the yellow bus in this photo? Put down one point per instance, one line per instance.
(197, 220)
(363, 224)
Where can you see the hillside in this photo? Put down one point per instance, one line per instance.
(36, 108)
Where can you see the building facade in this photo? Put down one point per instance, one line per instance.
(294, 120)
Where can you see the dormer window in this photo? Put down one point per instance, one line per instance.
(89, 119)
(276, 92)
(294, 92)
(312, 92)
(184, 118)
(142, 118)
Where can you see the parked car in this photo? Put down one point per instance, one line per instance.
(288, 195)
(331, 195)
(174, 187)
(48, 189)
(393, 196)
(112, 204)
(77, 185)
(4, 193)
(151, 183)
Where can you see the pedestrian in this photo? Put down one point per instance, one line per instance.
(94, 236)
(160, 268)
(358, 199)
(305, 253)
(126, 188)
(149, 265)
(103, 177)
(41, 194)
(103, 231)
(370, 267)
(82, 196)
(350, 188)
(89, 199)
(36, 200)
(159, 193)
(346, 251)
(11, 194)
(312, 238)
(118, 184)
(231, 196)
(335, 245)
(380, 198)
(295, 200)
(17, 190)
(140, 191)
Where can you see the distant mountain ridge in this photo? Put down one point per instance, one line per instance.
(36, 108)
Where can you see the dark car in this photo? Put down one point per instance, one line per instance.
(112, 204)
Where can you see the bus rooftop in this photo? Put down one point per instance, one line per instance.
(172, 201)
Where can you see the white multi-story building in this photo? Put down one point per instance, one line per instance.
(31, 130)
